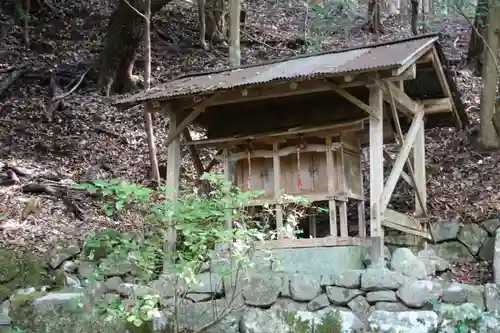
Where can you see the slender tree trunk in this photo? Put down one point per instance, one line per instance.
(488, 134)
(234, 33)
(147, 85)
(476, 43)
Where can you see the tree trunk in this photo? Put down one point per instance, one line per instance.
(374, 25)
(414, 17)
(234, 33)
(125, 33)
(476, 43)
(488, 135)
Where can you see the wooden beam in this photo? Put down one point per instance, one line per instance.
(214, 161)
(404, 175)
(316, 148)
(427, 57)
(376, 175)
(410, 60)
(310, 242)
(357, 125)
(287, 88)
(437, 105)
(405, 223)
(198, 109)
(438, 67)
(400, 160)
(354, 100)
(404, 103)
(419, 167)
(198, 166)
(312, 197)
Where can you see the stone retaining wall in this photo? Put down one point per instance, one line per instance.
(308, 283)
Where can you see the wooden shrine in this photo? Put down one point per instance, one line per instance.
(299, 126)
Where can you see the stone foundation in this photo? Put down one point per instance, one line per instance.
(309, 284)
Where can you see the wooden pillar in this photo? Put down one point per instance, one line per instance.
(173, 178)
(419, 167)
(227, 177)
(340, 171)
(312, 224)
(277, 189)
(148, 123)
(332, 208)
(376, 175)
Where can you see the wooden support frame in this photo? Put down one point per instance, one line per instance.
(198, 109)
(413, 58)
(420, 176)
(402, 101)
(400, 161)
(198, 166)
(354, 100)
(376, 181)
(172, 181)
(438, 67)
(395, 117)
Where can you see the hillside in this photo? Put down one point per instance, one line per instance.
(89, 139)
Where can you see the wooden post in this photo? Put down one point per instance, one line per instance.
(277, 189)
(312, 224)
(419, 167)
(148, 123)
(340, 171)
(361, 203)
(330, 167)
(173, 178)
(376, 176)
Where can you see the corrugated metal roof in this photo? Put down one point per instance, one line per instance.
(371, 57)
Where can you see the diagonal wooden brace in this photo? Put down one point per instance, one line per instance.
(393, 178)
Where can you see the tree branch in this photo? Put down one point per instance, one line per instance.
(137, 11)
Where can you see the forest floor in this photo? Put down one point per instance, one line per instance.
(90, 139)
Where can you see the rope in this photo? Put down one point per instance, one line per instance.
(299, 181)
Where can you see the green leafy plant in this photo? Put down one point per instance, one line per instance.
(118, 194)
(137, 314)
(200, 220)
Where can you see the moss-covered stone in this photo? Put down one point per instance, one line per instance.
(100, 245)
(56, 279)
(59, 313)
(22, 300)
(9, 268)
(5, 292)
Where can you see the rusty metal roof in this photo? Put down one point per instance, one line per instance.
(341, 62)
